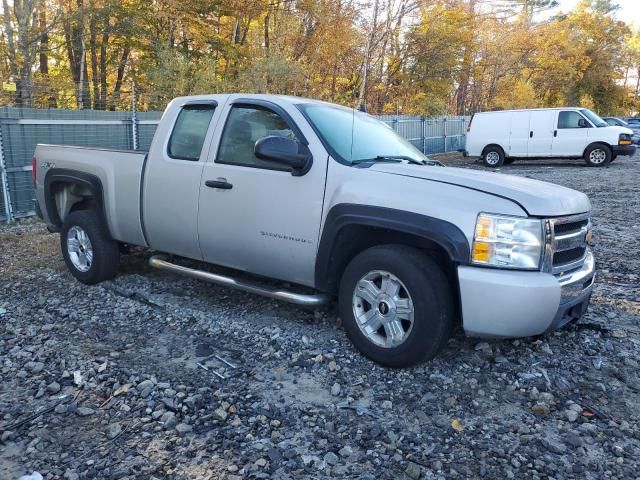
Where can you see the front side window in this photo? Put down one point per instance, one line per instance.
(355, 136)
(189, 132)
(569, 120)
(245, 125)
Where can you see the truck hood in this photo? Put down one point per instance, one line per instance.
(618, 129)
(540, 199)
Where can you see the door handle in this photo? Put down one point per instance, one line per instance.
(531, 134)
(555, 133)
(222, 183)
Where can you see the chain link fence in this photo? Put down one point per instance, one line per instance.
(21, 129)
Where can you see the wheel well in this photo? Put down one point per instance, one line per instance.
(484, 150)
(69, 196)
(353, 239)
(594, 144)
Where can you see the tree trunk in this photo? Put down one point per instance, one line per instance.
(120, 75)
(94, 55)
(44, 43)
(103, 63)
(266, 34)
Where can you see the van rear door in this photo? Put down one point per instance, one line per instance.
(519, 137)
(541, 127)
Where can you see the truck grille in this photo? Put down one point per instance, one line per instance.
(567, 243)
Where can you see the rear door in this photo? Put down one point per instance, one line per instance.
(172, 178)
(570, 138)
(263, 219)
(519, 137)
(541, 126)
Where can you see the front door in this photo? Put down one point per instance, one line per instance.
(254, 215)
(571, 134)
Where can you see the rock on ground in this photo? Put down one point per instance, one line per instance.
(121, 379)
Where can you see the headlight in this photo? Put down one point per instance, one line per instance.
(507, 242)
(624, 139)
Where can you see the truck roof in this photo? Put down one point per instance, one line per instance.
(220, 97)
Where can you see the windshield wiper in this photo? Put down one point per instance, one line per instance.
(392, 158)
(398, 158)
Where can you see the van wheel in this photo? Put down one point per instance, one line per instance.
(613, 157)
(493, 157)
(89, 251)
(598, 155)
(396, 305)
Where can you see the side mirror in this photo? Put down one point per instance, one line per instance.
(582, 123)
(286, 151)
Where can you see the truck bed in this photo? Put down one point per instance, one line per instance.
(119, 172)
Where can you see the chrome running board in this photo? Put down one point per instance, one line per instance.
(158, 261)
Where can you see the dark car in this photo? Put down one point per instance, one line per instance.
(633, 121)
(619, 122)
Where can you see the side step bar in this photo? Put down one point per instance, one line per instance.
(159, 261)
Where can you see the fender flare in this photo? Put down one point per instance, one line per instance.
(441, 232)
(55, 176)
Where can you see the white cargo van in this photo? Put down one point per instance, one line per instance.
(504, 136)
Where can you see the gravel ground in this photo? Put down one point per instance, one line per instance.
(121, 380)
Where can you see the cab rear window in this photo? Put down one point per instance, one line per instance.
(190, 131)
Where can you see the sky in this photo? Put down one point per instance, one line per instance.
(629, 10)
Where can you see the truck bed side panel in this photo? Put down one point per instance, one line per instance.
(120, 174)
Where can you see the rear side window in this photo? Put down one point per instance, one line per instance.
(190, 131)
(569, 120)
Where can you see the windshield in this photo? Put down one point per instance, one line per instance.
(354, 136)
(595, 119)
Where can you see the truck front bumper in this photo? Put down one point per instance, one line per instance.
(622, 150)
(508, 304)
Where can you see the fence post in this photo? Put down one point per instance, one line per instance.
(134, 118)
(444, 132)
(424, 134)
(4, 184)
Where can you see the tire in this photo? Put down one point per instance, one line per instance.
(493, 157)
(417, 278)
(598, 155)
(84, 231)
(509, 161)
(613, 157)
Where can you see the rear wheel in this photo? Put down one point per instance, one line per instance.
(493, 157)
(598, 155)
(89, 251)
(396, 305)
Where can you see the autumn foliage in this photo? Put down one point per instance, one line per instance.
(388, 56)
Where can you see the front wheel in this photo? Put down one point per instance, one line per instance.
(89, 251)
(598, 155)
(396, 305)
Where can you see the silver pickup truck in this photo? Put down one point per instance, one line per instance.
(332, 201)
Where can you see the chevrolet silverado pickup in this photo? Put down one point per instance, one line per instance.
(334, 204)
